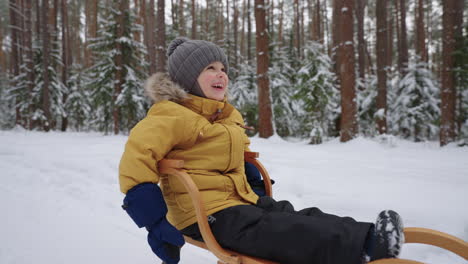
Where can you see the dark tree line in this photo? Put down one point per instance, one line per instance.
(336, 67)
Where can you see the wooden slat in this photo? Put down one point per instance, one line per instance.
(251, 157)
(165, 165)
(244, 258)
(395, 261)
(438, 239)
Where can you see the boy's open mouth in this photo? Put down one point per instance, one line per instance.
(218, 86)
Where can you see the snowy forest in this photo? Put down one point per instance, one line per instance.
(309, 69)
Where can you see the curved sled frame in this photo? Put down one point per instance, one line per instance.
(175, 168)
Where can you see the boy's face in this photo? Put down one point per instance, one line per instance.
(213, 81)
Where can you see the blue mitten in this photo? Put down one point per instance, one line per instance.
(165, 241)
(255, 179)
(145, 204)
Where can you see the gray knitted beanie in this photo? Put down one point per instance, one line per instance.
(187, 59)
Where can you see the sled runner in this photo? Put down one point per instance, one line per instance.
(412, 234)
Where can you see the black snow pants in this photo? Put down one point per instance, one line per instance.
(274, 230)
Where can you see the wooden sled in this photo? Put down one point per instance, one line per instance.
(412, 234)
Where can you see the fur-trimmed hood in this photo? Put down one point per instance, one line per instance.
(160, 87)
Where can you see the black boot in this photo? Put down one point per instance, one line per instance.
(389, 235)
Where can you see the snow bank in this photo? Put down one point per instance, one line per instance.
(60, 198)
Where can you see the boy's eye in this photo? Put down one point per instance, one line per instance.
(210, 68)
(224, 70)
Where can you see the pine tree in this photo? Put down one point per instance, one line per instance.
(78, 103)
(243, 93)
(56, 90)
(282, 84)
(367, 107)
(318, 98)
(7, 109)
(131, 102)
(415, 111)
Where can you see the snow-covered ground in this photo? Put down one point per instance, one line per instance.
(60, 199)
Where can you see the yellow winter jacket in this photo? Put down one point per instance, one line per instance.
(177, 127)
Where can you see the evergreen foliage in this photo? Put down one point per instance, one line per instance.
(30, 103)
(78, 103)
(318, 96)
(305, 100)
(366, 94)
(101, 77)
(243, 93)
(415, 111)
(56, 89)
(7, 109)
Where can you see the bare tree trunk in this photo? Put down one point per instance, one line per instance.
(194, 21)
(420, 32)
(151, 38)
(74, 24)
(174, 16)
(66, 56)
(3, 62)
(220, 23)
(460, 118)
(45, 65)
(29, 57)
(91, 29)
(271, 17)
(302, 27)
(360, 6)
(346, 64)
(161, 38)
(249, 34)
(280, 26)
(20, 21)
(267, 20)
(390, 37)
(311, 22)
(318, 22)
(182, 26)
(228, 33)
(242, 41)
(396, 15)
(381, 52)
(265, 126)
(14, 61)
(38, 18)
(236, 34)
(87, 51)
(403, 49)
(146, 28)
(139, 20)
(53, 26)
(297, 29)
(448, 91)
(207, 19)
(328, 28)
(336, 17)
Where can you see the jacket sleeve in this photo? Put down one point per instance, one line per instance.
(149, 141)
(240, 120)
